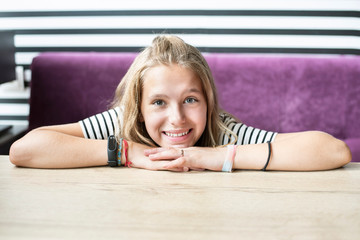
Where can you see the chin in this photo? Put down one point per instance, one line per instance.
(181, 145)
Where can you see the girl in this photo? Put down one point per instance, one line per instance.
(165, 116)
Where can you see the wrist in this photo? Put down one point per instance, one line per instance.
(229, 159)
(221, 157)
(211, 158)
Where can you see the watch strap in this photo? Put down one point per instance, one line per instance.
(111, 151)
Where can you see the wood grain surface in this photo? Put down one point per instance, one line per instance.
(127, 203)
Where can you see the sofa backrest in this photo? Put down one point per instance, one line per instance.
(67, 87)
(288, 94)
(279, 93)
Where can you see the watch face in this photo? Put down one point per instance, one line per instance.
(112, 143)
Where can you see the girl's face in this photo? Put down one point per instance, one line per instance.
(173, 106)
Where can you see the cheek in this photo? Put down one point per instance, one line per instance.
(152, 122)
(204, 118)
(200, 118)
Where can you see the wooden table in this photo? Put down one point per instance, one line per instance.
(123, 203)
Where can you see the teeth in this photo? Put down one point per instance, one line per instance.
(176, 134)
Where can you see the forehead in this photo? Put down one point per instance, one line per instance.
(170, 76)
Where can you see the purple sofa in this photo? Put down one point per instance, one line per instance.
(277, 92)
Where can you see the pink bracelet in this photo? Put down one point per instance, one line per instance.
(229, 160)
(126, 148)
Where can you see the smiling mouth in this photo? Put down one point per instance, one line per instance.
(169, 134)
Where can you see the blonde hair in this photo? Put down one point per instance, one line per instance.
(166, 50)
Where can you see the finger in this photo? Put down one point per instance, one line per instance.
(150, 151)
(162, 165)
(178, 163)
(169, 154)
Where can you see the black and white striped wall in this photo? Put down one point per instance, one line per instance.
(260, 27)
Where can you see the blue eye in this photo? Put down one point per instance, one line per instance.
(158, 102)
(190, 100)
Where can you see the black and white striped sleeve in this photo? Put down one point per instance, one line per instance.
(102, 125)
(245, 134)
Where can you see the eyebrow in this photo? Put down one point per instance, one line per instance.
(194, 90)
(160, 95)
(155, 96)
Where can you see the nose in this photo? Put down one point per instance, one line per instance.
(176, 115)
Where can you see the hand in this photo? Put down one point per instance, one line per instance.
(140, 160)
(194, 158)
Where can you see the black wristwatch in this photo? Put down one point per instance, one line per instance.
(111, 151)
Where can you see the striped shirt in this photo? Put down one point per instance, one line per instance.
(104, 124)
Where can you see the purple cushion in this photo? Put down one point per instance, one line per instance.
(354, 145)
(272, 92)
(288, 94)
(68, 87)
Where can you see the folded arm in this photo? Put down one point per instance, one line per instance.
(61, 146)
(64, 146)
(303, 151)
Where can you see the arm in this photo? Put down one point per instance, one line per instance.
(303, 151)
(64, 146)
(61, 146)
